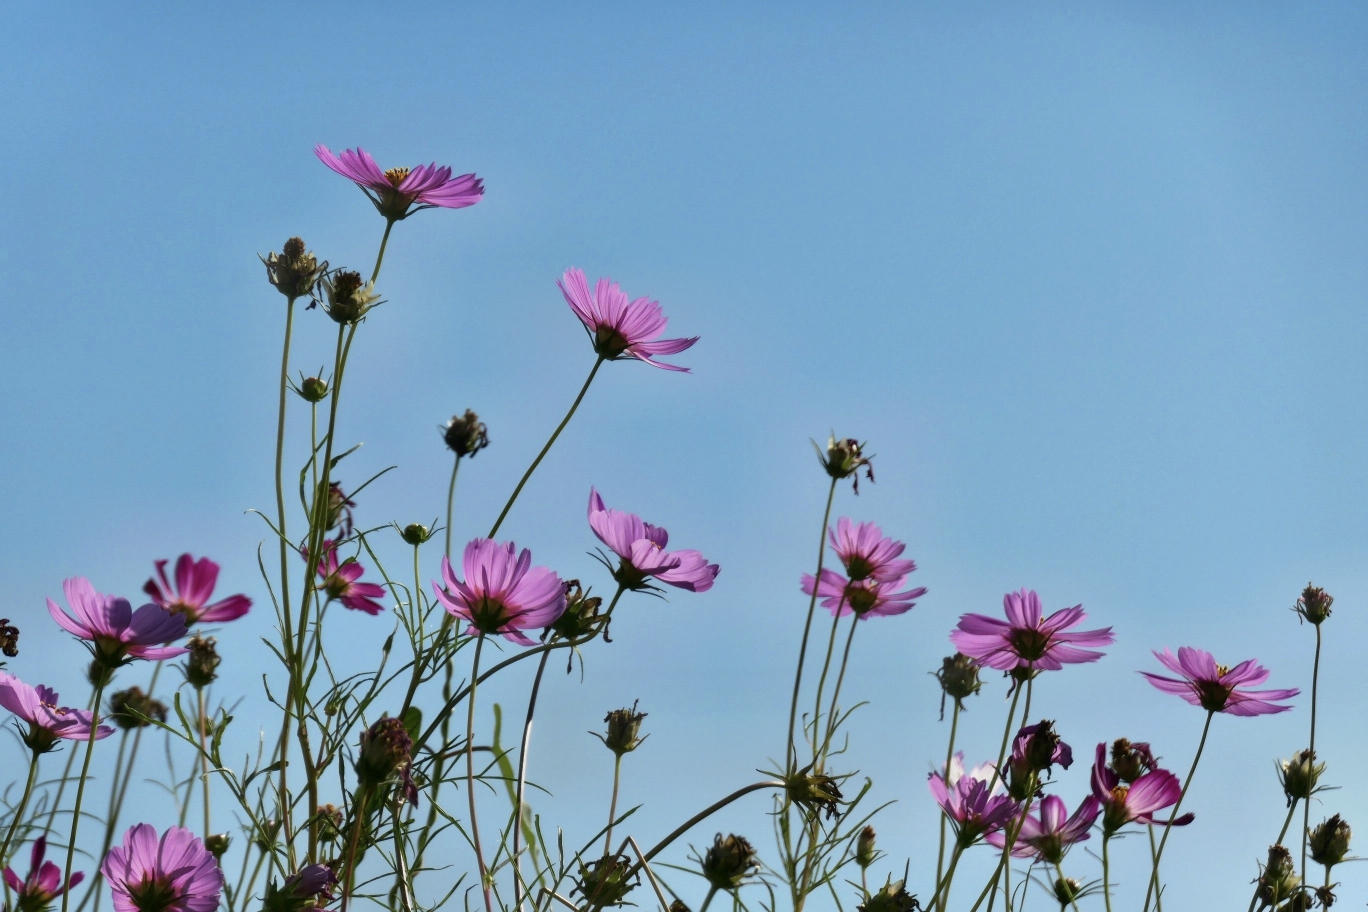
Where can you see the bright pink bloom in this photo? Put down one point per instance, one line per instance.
(867, 598)
(340, 582)
(47, 720)
(117, 633)
(502, 592)
(173, 874)
(43, 884)
(973, 810)
(619, 328)
(641, 547)
(395, 191)
(867, 554)
(1049, 835)
(1137, 802)
(194, 587)
(1217, 688)
(1026, 639)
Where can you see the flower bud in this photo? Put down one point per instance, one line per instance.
(217, 844)
(844, 459)
(386, 749)
(415, 533)
(128, 708)
(1279, 880)
(1299, 776)
(605, 882)
(9, 638)
(1301, 901)
(959, 676)
(678, 905)
(814, 792)
(1326, 896)
(295, 271)
(312, 389)
(865, 853)
(581, 616)
(623, 727)
(308, 888)
(1035, 750)
(891, 897)
(348, 301)
(100, 672)
(329, 820)
(466, 434)
(1131, 759)
(1330, 841)
(264, 835)
(201, 662)
(1067, 891)
(729, 861)
(1314, 604)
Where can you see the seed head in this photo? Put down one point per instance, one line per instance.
(466, 434)
(581, 616)
(1330, 841)
(891, 897)
(729, 861)
(348, 300)
(386, 750)
(202, 662)
(1314, 604)
(9, 638)
(624, 726)
(814, 792)
(1279, 880)
(294, 272)
(605, 882)
(1299, 776)
(959, 678)
(844, 459)
(128, 708)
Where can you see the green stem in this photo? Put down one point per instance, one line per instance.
(1106, 871)
(280, 469)
(1060, 871)
(712, 891)
(1154, 875)
(821, 685)
(362, 799)
(945, 772)
(612, 805)
(1006, 738)
(451, 500)
(522, 784)
(807, 628)
(1306, 809)
(204, 756)
(941, 897)
(19, 811)
(546, 449)
(836, 691)
(1168, 827)
(80, 790)
(470, 774)
(380, 257)
(701, 816)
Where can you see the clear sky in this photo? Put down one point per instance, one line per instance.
(1089, 278)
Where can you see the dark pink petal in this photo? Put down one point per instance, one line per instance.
(230, 609)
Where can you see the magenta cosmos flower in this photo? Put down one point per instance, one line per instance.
(43, 884)
(867, 553)
(116, 632)
(48, 721)
(617, 327)
(972, 807)
(173, 874)
(192, 590)
(399, 192)
(866, 598)
(1026, 639)
(341, 582)
(1137, 802)
(502, 592)
(1217, 688)
(641, 547)
(1049, 835)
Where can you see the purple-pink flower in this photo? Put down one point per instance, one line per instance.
(502, 592)
(48, 721)
(867, 553)
(617, 327)
(972, 808)
(641, 547)
(193, 588)
(1049, 835)
(1027, 640)
(1218, 688)
(175, 873)
(1137, 802)
(341, 582)
(395, 191)
(43, 884)
(867, 598)
(116, 632)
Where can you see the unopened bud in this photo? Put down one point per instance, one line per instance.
(1314, 604)
(891, 897)
(415, 533)
(129, 708)
(605, 882)
(624, 727)
(308, 888)
(729, 861)
(1330, 841)
(581, 616)
(386, 749)
(465, 434)
(1067, 891)
(1279, 879)
(9, 638)
(348, 300)
(312, 389)
(295, 271)
(217, 844)
(1299, 776)
(202, 662)
(264, 835)
(99, 673)
(844, 459)
(865, 853)
(1131, 759)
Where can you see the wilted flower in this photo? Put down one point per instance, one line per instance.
(1027, 640)
(1299, 775)
(340, 510)
(619, 329)
(203, 661)
(308, 888)
(891, 897)
(295, 271)
(1217, 688)
(865, 853)
(47, 721)
(9, 638)
(465, 435)
(581, 616)
(502, 592)
(844, 459)
(729, 861)
(814, 792)
(175, 873)
(1035, 749)
(348, 300)
(341, 581)
(116, 632)
(192, 590)
(972, 808)
(624, 726)
(1330, 841)
(1137, 802)
(1131, 760)
(386, 753)
(641, 548)
(36, 892)
(129, 708)
(1049, 835)
(1278, 879)
(606, 882)
(1326, 895)
(396, 191)
(959, 678)
(1314, 604)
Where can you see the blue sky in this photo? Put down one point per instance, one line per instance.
(1089, 278)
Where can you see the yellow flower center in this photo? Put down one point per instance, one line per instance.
(396, 175)
(1222, 670)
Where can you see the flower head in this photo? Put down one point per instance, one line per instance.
(1299, 775)
(867, 553)
(620, 329)
(1217, 688)
(386, 753)
(175, 873)
(341, 582)
(1329, 841)
(465, 435)
(116, 633)
(1136, 802)
(958, 677)
(1314, 604)
(347, 300)
(1035, 750)
(729, 862)
(865, 852)
(47, 721)
(294, 272)
(9, 638)
(1027, 640)
(399, 192)
(607, 881)
(502, 592)
(130, 708)
(891, 897)
(624, 730)
(201, 667)
(865, 598)
(844, 458)
(189, 595)
(641, 547)
(1132, 759)
(1049, 835)
(972, 807)
(1278, 879)
(36, 892)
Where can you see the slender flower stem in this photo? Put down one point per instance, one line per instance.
(522, 782)
(1168, 827)
(363, 795)
(19, 811)
(1060, 871)
(80, 789)
(204, 755)
(94, 707)
(380, 257)
(1306, 809)
(1006, 738)
(1106, 871)
(712, 891)
(612, 805)
(821, 685)
(279, 472)
(401, 872)
(451, 500)
(704, 815)
(546, 449)
(836, 691)
(945, 772)
(470, 774)
(807, 628)
(941, 897)
(1154, 875)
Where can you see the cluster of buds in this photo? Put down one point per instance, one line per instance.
(1314, 604)
(1278, 880)
(1330, 841)
(729, 861)
(959, 678)
(295, 272)
(581, 616)
(416, 533)
(607, 881)
(310, 887)
(9, 638)
(624, 730)
(348, 300)
(132, 708)
(1299, 776)
(814, 792)
(465, 435)
(1035, 750)
(202, 662)
(386, 753)
(1131, 759)
(891, 897)
(844, 459)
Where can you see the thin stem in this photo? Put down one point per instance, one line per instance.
(1060, 871)
(546, 449)
(80, 789)
(807, 627)
(19, 811)
(945, 772)
(94, 707)
(362, 799)
(704, 815)
(522, 782)
(401, 873)
(1154, 875)
(821, 685)
(1306, 809)
(612, 805)
(1168, 827)
(470, 774)
(712, 891)
(451, 501)
(1106, 871)
(941, 897)
(836, 691)
(380, 257)
(1006, 737)
(280, 468)
(204, 755)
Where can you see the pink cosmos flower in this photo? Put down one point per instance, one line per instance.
(1137, 802)
(48, 721)
(173, 874)
(618, 328)
(340, 582)
(43, 884)
(502, 592)
(194, 586)
(867, 598)
(1026, 639)
(1049, 835)
(117, 633)
(395, 191)
(866, 553)
(641, 547)
(984, 772)
(1218, 688)
(973, 810)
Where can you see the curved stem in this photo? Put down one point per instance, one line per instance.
(704, 815)
(80, 790)
(807, 627)
(19, 811)
(451, 500)
(470, 774)
(546, 449)
(1306, 809)
(1168, 827)
(279, 471)
(612, 805)
(945, 772)
(522, 783)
